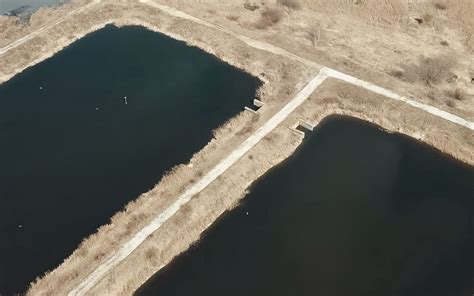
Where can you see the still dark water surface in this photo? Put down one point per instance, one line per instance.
(72, 152)
(9, 5)
(356, 211)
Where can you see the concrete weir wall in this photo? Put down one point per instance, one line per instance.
(306, 125)
(250, 110)
(258, 103)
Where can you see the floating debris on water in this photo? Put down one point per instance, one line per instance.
(125, 98)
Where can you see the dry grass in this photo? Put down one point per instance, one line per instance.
(459, 11)
(370, 11)
(393, 12)
(269, 16)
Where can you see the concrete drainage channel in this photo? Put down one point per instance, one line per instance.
(305, 126)
(257, 104)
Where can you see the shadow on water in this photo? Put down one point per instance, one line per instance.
(355, 211)
(90, 129)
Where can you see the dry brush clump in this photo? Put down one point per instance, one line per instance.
(440, 5)
(251, 6)
(290, 4)
(313, 33)
(269, 16)
(458, 94)
(426, 70)
(233, 17)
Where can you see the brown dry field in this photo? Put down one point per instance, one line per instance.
(378, 41)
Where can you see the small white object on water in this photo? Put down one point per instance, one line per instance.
(97, 108)
(41, 87)
(125, 98)
(247, 213)
(20, 226)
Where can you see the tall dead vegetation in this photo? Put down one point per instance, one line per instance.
(269, 16)
(313, 33)
(290, 4)
(427, 70)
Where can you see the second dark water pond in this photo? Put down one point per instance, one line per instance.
(92, 128)
(355, 211)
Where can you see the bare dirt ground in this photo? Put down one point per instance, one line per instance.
(378, 41)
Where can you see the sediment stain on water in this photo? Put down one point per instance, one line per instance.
(355, 211)
(92, 128)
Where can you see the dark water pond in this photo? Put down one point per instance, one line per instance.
(356, 211)
(31, 5)
(73, 151)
